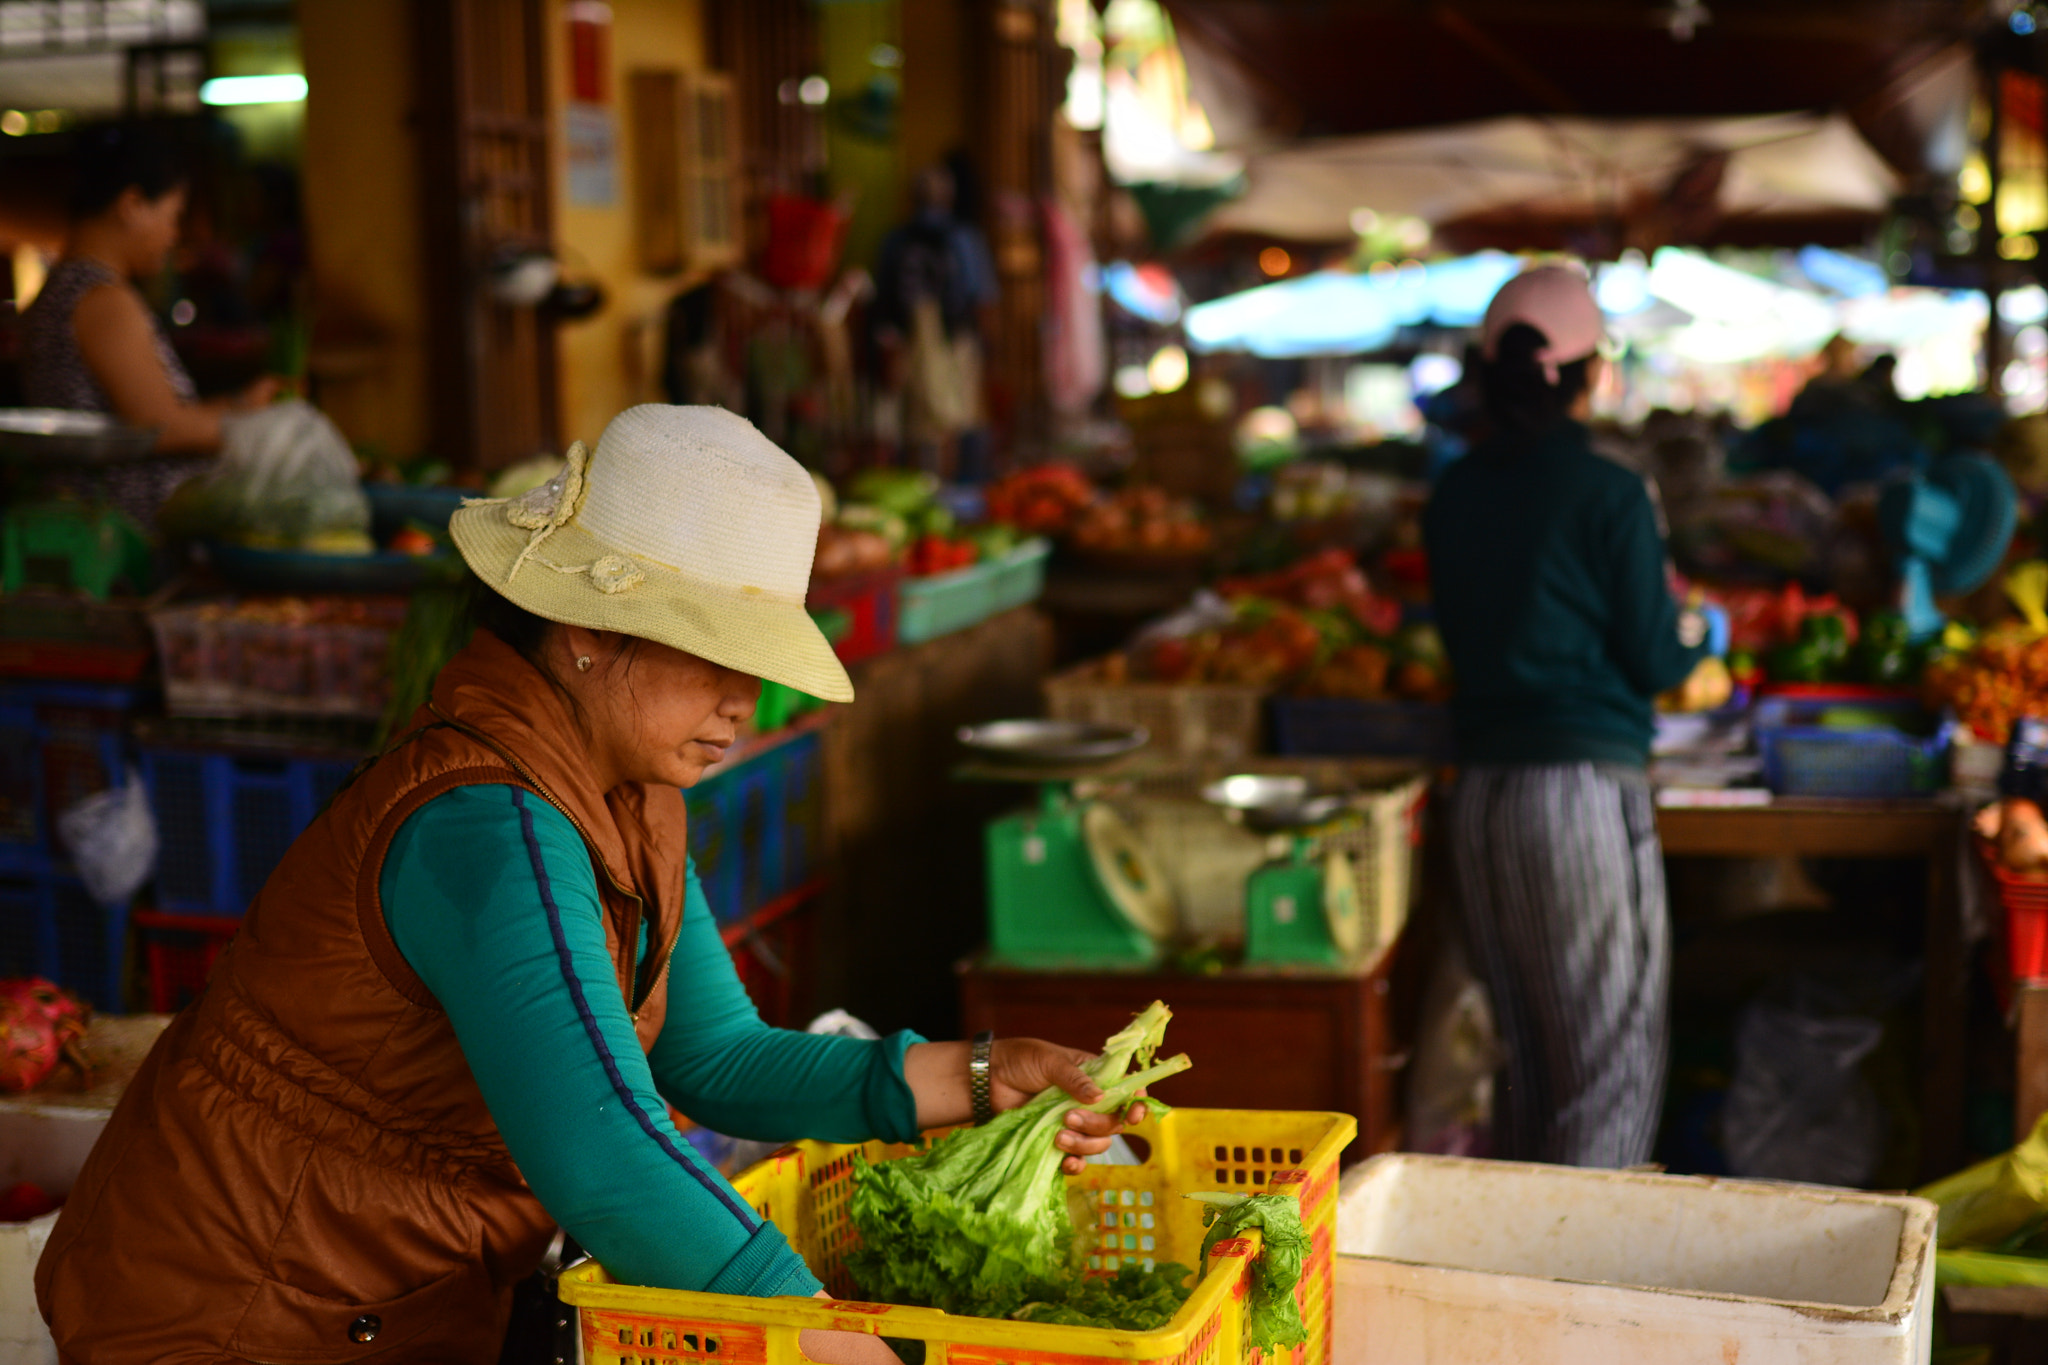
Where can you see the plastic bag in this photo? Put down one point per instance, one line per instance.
(285, 479)
(1457, 1052)
(1800, 1107)
(113, 840)
(1993, 1215)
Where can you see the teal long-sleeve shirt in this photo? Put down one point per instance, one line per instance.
(1548, 574)
(491, 896)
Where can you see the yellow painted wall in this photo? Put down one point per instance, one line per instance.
(363, 223)
(362, 208)
(612, 360)
(866, 168)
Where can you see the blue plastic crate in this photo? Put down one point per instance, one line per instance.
(1347, 727)
(714, 846)
(803, 810)
(758, 825)
(59, 743)
(50, 927)
(756, 829)
(1803, 757)
(225, 819)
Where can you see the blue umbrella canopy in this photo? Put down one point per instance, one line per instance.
(1334, 312)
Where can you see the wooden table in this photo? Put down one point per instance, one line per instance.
(1260, 1039)
(1925, 830)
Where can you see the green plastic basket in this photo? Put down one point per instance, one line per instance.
(930, 607)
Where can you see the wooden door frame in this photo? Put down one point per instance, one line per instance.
(457, 245)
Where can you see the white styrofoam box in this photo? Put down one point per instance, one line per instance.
(24, 1340)
(47, 1144)
(45, 1137)
(1450, 1261)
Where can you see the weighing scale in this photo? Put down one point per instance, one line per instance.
(1302, 907)
(1069, 883)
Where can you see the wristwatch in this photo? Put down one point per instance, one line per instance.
(977, 1075)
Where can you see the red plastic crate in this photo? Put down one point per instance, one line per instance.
(869, 600)
(178, 953)
(2026, 918)
(772, 952)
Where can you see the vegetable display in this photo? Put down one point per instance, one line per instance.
(1143, 520)
(1328, 581)
(979, 1224)
(1043, 500)
(1132, 1300)
(2000, 678)
(1272, 1317)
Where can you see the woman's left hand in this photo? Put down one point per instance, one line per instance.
(1019, 1068)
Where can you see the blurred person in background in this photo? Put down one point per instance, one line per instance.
(90, 339)
(1551, 590)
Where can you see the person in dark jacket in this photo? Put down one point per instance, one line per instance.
(1552, 594)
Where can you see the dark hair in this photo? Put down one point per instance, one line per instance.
(527, 634)
(112, 158)
(1519, 397)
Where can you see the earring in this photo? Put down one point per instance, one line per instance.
(583, 663)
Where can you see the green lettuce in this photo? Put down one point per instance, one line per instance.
(978, 1224)
(1132, 1300)
(1272, 1317)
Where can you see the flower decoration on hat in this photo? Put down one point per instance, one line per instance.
(548, 508)
(613, 574)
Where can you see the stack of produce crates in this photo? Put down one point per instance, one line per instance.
(59, 743)
(229, 799)
(756, 827)
(1137, 1216)
(757, 830)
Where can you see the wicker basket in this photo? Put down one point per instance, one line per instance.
(1185, 720)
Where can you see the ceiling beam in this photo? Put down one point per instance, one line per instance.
(1534, 83)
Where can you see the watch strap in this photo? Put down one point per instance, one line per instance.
(978, 1075)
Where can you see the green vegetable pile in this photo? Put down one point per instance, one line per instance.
(978, 1225)
(1272, 1317)
(1132, 1300)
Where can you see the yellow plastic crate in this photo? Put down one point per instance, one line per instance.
(1138, 1215)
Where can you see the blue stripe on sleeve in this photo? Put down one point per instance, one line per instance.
(596, 1035)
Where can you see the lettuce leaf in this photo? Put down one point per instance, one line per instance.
(1272, 1317)
(978, 1224)
(1132, 1300)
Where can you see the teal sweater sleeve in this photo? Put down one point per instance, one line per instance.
(717, 1062)
(490, 895)
(1642, 633)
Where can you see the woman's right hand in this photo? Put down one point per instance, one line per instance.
(257, 395)
(844, 1348)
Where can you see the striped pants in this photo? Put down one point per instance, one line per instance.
(1560, 882)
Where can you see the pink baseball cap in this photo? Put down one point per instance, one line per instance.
(1557, 300)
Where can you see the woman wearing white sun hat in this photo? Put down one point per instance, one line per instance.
(456, 1015)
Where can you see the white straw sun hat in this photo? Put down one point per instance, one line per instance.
(687, 527)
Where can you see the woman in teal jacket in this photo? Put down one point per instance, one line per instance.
(1549, 578)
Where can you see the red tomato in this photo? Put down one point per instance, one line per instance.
(411, 540)
(19, 1203)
